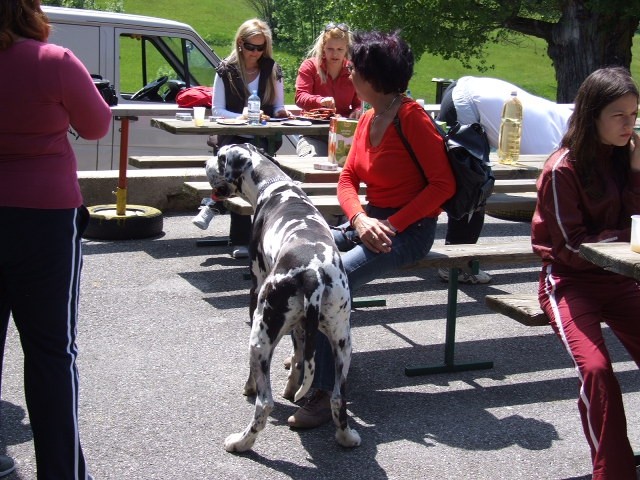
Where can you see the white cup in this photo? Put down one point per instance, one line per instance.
(420, 102)
(198, 116)
(635, 233)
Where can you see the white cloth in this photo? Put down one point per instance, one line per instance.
(480, 99)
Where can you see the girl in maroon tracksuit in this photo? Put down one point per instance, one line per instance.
(586, 193)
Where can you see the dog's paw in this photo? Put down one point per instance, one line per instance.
(348, 437)
(237, 442)
(289, 392)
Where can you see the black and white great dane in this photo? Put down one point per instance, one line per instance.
(298, 284)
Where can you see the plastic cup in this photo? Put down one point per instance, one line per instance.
(198, 116)
(635, 233)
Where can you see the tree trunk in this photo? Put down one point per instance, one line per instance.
(601, 40)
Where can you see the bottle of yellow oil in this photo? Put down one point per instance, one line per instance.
(510, 130)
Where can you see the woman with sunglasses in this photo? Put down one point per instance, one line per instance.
(248, 67)
(398, 225)
(324, 81)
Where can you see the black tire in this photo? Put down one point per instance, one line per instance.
(137, 222)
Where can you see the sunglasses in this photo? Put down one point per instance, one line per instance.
(252, 48)
(339, 26)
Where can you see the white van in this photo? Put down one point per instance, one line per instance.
(135, 52)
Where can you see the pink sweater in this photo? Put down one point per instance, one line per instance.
(44, 89)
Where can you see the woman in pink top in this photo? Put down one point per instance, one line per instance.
(324, 82)
(44, 90)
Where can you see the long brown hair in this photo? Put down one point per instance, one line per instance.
(22, 18)
(597, 91)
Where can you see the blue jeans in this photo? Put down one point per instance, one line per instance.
(362, 265)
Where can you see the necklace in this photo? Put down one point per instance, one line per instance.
(375, 117)
(251, 72)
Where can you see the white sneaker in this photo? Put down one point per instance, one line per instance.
(240, 252)
(466, 276)
(204, 217)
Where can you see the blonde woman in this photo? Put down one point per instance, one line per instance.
(250, 66)
(323, 81)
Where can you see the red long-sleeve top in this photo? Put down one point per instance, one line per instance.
(310, 89)
(565, 216)
(44, 89)
(391, 176)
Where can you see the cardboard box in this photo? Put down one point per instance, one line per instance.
(341, 132)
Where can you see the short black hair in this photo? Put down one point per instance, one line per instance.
(383, 59)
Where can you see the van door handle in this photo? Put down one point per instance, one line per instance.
(131, 118)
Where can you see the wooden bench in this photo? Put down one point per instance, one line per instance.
(512, 206)
(203, 189)
(169, 161)
(522, 308)
(327, 205)
(518, 185)
(455, 258)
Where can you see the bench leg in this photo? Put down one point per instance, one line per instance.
(450, 339)
(213, 242)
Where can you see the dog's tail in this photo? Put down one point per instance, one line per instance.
(312, 301)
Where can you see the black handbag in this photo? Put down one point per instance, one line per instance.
(105, 88)
(467, 148)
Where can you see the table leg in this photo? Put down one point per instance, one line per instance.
(121, 191)
(450, 339)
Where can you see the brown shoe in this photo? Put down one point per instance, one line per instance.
(315, 412)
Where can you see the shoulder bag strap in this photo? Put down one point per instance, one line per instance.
(407, 145)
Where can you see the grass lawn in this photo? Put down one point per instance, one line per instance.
(527, 65)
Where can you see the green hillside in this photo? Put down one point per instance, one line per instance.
(527, 65)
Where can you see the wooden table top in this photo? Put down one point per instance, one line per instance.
(528, 167)
(181, 127)
(302, 169)
(614, 257)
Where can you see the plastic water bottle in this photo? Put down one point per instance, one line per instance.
(510, 130)
(253, 108)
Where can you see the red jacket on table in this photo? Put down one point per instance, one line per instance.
(565, 216)
(391, 176)
(310, 89)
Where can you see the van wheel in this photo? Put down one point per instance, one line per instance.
(137, 222)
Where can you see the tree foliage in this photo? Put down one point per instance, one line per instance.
(581, 35)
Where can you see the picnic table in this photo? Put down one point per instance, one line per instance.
(302, 169)
(272, 130)
(614, 257)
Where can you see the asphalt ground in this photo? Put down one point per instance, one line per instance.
(163, 338)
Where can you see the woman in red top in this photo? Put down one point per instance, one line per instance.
(398, 225)
(44, 89)
(324, 81)
(587, 192)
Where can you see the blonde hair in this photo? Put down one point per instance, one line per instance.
(316, 52)
(249, 29)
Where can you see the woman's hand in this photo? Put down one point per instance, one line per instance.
(283, 114)
(375, 234)
(328, 102)
(635, 151)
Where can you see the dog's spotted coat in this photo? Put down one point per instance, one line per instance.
(298, 284)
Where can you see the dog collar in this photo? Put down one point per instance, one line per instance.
(271, 181)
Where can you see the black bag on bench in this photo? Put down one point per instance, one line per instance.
(467, 148)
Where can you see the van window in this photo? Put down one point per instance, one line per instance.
(144, 59)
